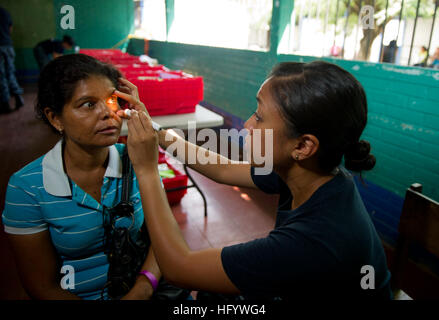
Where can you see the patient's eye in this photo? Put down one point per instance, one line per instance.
(88, 104)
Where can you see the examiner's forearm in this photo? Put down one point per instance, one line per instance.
(216, 166)
(168, 243)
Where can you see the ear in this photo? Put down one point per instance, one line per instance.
(53, 119)
(307, 145)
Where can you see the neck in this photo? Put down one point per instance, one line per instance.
(77, 157)
(303, 182)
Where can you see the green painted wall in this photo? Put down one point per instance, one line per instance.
(33, 20)
(98, 24)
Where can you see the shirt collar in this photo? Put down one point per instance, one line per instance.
(55, 180)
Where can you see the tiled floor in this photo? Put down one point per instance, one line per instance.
(234, 215)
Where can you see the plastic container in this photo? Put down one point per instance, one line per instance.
(128, 59)
(169, 92)
(101, 52)
(135, 70)
(162, 91)
(180, 180)
(113, 56)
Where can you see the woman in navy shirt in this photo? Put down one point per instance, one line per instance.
(324, 242)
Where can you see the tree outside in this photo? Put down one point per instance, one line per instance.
(346, 15)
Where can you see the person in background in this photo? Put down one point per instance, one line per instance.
(335, 51)
(8, 82)
(389, 52)
(422, 57)
(50, 49)
(435, 59)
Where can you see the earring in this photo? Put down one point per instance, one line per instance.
(297, 157)
(60, 131)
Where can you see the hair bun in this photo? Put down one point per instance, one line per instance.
(358, 157)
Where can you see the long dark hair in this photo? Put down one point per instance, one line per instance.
(59, 78)
(324, 100)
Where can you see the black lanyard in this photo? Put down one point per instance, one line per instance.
(124, 208)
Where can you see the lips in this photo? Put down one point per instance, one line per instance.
(108, 130)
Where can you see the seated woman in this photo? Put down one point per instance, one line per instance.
(54, 210)
(324, 243)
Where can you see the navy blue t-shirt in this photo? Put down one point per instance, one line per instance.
(316, 250)
(5, 25)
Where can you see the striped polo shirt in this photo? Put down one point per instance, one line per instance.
(41, 197)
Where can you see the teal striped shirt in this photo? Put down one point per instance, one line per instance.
(39, 199)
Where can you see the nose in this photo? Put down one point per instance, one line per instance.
(249, 125)
(104, 110)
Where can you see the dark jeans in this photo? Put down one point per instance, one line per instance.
(41, 56)
(8, 82)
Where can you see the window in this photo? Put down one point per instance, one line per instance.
(239, 24)
(150, 19)
(396, 31)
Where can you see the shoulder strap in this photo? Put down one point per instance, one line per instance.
(126, 175)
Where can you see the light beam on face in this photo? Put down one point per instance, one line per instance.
(112, 103)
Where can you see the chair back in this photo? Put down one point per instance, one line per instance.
(418, 228)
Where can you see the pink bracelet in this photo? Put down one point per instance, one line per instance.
(151, 278)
